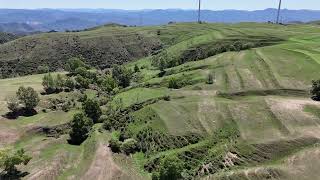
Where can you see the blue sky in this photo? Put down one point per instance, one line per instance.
(159, 4)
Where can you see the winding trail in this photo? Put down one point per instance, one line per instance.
(103, 166)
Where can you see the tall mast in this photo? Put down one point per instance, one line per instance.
(199, 12)
(279, 9)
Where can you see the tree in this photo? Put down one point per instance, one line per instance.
(9, 160)
(315, 90)
(29, 97)
(60, 82)
(122, 75)
(80, 128)
(82, 82)
(115, 145)
(171, 168)
(173, 84)
(129, 146)
(74, 63)
(48, 83)
(210, 78)
(92, 109)
(70, 83)
(136, 68)
(108, 84)
(13, 104)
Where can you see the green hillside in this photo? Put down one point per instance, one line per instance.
(231, 101)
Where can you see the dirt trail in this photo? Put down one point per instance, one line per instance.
(103, 166)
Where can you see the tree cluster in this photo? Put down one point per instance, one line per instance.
(9, 160)
(26, 98)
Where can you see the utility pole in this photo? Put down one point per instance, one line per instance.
(199, 12)
(279, 9)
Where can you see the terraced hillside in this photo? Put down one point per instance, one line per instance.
(255, 120)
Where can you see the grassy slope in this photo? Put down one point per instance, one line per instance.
(265, 98)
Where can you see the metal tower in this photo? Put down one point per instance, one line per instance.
(279, 10)
(199, 12)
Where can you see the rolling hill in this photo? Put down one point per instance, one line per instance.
(254, 121)
(26, 20)
(101, 47)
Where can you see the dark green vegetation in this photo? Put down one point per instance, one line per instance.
(100, 47)
(6, 37)
(217, 101)
(8, 162)
(315, 90)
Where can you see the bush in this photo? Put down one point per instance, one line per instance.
(80, 128)
(82, 82)
(173, 84)
(9, 160)
(42, 69)
(29, 97)
(315, 90)
(129, 146)
(48, 83)
(108, 84)
(136, 68)
(92, 109)
(171, 168)
(122, 75)
(115, 145)
(70, 83)
(13, 104)
(75, 63)
(210, 79)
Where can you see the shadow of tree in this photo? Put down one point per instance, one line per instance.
(16, 175)
(21, 112)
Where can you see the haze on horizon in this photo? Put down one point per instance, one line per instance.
(153, 4)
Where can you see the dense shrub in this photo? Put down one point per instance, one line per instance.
(9, 160)
(173, 84)
(80, 128)
(82, 82)
(108, 84)
(29, 97)
(315, 90)
(122, 75)
(129, 146)
(171, 168)
(13, 104)
(74, 63)
(92, 109)
(115, 145)
(210, 79)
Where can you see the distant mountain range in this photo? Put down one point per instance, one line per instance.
(26, 21)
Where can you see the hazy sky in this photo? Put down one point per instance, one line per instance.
(160, 4)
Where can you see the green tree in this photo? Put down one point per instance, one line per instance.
(210, 79)
(136, 68)
(173, 83)
(122, 75)
(129, 146)
(108, 84)
(82, 82)
(49, 83)
(74, 63)
(9, 160)
(29, 97)
(315, 90)
(13, 104)
(60, 82)
(171, 168)
(70, 83)
(80, 128)
(92, 109)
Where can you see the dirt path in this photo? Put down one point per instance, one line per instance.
(103, 166)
